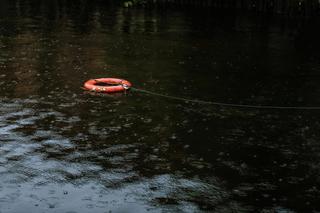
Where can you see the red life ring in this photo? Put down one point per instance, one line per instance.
(107, 85)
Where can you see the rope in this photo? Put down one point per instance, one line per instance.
(227, 104)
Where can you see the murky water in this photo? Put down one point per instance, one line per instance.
(64, 150)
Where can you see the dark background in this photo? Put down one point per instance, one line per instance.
(63, 149)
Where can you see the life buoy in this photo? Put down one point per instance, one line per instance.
(107, 85)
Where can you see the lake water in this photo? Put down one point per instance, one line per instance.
(65, 150)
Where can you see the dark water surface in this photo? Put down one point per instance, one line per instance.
(63, 150)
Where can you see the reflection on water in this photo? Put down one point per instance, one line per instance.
(64, 150)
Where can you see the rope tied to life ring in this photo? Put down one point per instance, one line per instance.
(113, 85)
